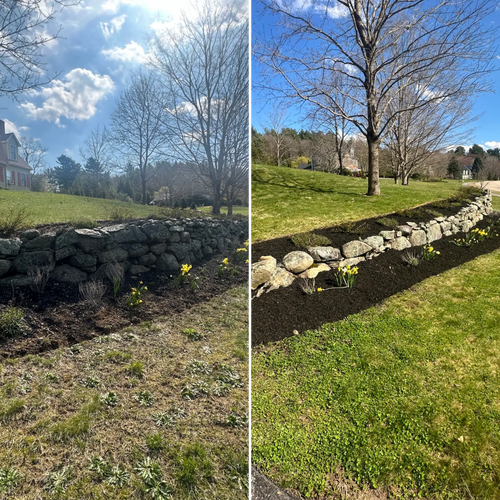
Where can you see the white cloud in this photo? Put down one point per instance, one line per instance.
(74, 98)
(11, 127)
(113, 26)
(132, 52)
(492, 144)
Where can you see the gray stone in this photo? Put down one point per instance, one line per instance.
(185, 237)
(159, 248)
(355, 249)
(374, 241)
(124, 233)
(148, 259)
(90, 241)
(68, 274)
(66, 239)
(29, 234)
(412, 224)
(9, 247)
(196, 245)
(207, 250)
(28, 261)
(135, 269)
(324, 254)
(16, 280)
(40, 243)
(418, 238)
(466, 226)
(314, 270)
(447, 233)
(174, 238)
(167, 262)
(83, 260)
(281, 278)
(401, 243)
(405, 229)
(434, 233)
(445, 226)
(178, 229)
(136, 250)
(5, 265)
(156, 231)
(297, 261)
(114, 255)
(387, 235)
(263, 270)
(64, 252)
(180, 250)
(349, 262)
(107, 271)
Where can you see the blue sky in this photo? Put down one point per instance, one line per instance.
(102, 42)
(486, 129)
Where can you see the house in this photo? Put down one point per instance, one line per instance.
(467, 172)
(14, 171)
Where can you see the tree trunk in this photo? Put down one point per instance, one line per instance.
(216, 195)
(405, 179)
(143, 179)
(373, 166)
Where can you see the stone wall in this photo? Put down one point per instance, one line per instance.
(75, 255)
(318, 259)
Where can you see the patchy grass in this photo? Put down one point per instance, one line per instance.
(106, 419)
(287, 201)
(403, 397)
(223, 210)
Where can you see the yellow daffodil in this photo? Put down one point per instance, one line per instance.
(225, 261)
(320, 289)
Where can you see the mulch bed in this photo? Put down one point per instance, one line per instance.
(275, 315)
(58, 316)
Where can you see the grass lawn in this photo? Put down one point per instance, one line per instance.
(495, 201)
(236, 210)
(287, 201)
(404, 397)
(156, 411)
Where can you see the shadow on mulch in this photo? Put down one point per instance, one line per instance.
(275, 315)
(58, 317)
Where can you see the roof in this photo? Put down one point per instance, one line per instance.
(3, 156)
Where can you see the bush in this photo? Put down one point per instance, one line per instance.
(388, 222)
(12, 323)
(83, 223)
(184, 204)
(465, 193)
(119, 214)
(193, 206)
(13, 220)
(304, 240)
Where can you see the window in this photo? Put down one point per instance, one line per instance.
(23, 180)
(13, 152)
(10, 177)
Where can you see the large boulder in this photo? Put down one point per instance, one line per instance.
(156, 231)
(374, 241)
(83, 260)
(40, 243)
(124, 233)
(262, 271)
(30, 261)
(9, 248)
(281, 278)
(324, 254)
(5, 265)
(400, 243)
(297, 261)
(434, 233)
(167, 262)
(114, 255)
(68, 274)
(355, 249)
(418, 238)
(90, 241)
(313, 271)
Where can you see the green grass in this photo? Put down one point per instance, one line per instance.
(223, 210)
(404, 397)
(287, 201)
(64, 437)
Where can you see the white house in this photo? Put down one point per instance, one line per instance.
(14, 171)
(467, 172)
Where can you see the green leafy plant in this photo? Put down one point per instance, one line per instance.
(411, 257)
(113, 475)
(429, 253)
(237, 420)
(164, 419)
(136, 369)
(352, 227)
(109, 398)
(197, 390)
(13, 220)
(305, 240)
(135, 295)
(83, 223)
(151, 475)
(9, 479)
(144, 398)
(193, 467)
(194, 335)
(57, 481)
(345, 277)
(155, 442)
(228, 375)
(12, 323)
(474, 236)
(196, 366)
(118, 213)
(388, 222)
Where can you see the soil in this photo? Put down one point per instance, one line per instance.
(275, 315)
(59, 317)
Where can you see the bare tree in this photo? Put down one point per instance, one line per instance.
(138, 129)
(24, 26)
(277, 137)
(445, 43)
(97, 145)
(204, 65)
(33, 154)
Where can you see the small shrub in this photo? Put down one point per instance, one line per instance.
(434, 213)
(196, 366)
(83, 223)
(305, 240)
(307, 285)
(192, 334)
(144, 398)
(411, 257)
(92, 292)
(39, 278)
(13, 220)
(9, 479)
(136, 369)
(12, 323)
(237, 420)
(109, 398)
(193, 467)
(151, 475)
(119, 214)
(466, 193)
(351, 227)
(388, 222)
(57, 481)
(155, 442)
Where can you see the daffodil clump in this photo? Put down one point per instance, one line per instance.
(346, 276)
(240, 255)
(136, 295)
(475, 236)
(222, 268)
(429, 253)
(185, 268)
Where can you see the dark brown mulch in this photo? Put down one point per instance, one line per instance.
(275, 315)
(58, 316)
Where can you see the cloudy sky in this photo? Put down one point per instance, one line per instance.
(102, 42)
(486, 129)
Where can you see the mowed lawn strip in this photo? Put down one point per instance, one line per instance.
(287, 201)
(404, 397)
(168, 399)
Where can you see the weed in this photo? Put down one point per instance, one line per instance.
(83, 223)
(9, 479)
(192, 334)
(307, 285)
(113, 475)
(135, 369)
(76, 425)
(237, 420)
(220, 389)
(92, 292)
(150, 474)
(193, 467)
(39, 278)
(434, 213)
(411, 257)
(197, 390)
(13, 220)
(52, 378)
(305, 240)
(99, 466)
(12, 323)
(352, 227)
(119, 214)
(196, 366)
(228, 375)
(114, 272)
(11, 408)
(57, 481)
(155, 442)
(109, 398)
(144, 398)
(163, 419)
(388, 222)
(117, 356)
(90, 382)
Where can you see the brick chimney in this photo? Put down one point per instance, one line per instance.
(2, 128)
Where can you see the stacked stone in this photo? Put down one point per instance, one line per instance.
(322, 258)
(75, 255)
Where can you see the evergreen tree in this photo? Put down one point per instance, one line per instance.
(477, 166)
(66, 171)
(460, 151)
(454, 168)
(476, 150)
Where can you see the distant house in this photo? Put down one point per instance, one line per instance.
(350, 163)
(467, 172)
(14, 171)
